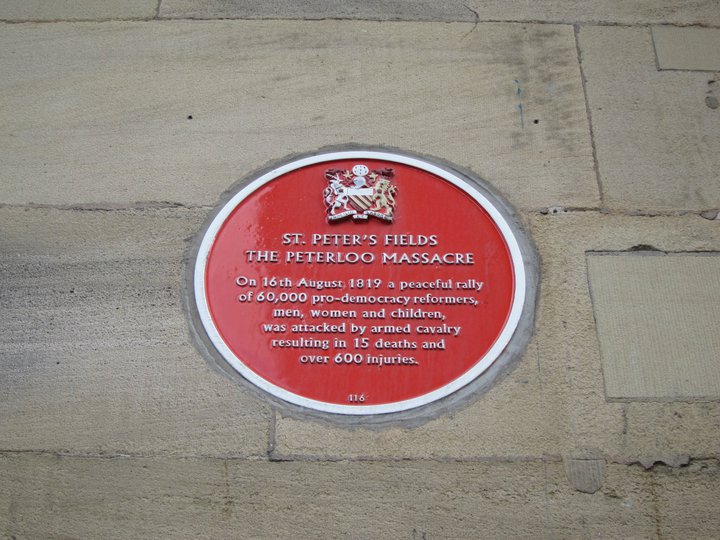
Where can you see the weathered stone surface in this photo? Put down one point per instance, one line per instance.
(681, 495)
(572, 350)
(95, 350)
(657, 319)
(666, 432)
(101, 112)
(585, 475)
(514, 419)
(53, 497)
(567, 11)
(646, 123)
(53, 10)
(376, 10)
(687, 48)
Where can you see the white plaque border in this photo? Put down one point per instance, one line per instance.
(473, 373)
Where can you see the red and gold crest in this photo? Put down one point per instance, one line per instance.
(359, 193)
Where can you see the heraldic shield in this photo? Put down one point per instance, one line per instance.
(359, 193)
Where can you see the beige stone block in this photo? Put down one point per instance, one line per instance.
(687, 501)
(656, 138)
(515, 419)
(96, 356)
(570, 359)
(657, 321)
(671, 432)
(566, 11)
(101, 112)
(54, 10)
(374, 10)
(54, 497)
(621, 509)
(687, 48)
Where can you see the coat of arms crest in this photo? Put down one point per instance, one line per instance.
(359, 193)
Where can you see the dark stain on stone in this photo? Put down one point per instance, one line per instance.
(644, 247)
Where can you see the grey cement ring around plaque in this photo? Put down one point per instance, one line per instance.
(363, 286)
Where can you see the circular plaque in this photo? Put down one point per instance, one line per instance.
(360, 282)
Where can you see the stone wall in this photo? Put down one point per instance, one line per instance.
(124, 123)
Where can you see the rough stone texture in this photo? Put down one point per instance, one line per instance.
(687, 48)
(656, 139)
(382, 10)
(571, 344)
(58, 497)
(96, 356)
(54, 497)
(657, 319)
(566, 11)
(680, 495)
(670, 432)
(53, 10)
(109, 105)
(516, 418)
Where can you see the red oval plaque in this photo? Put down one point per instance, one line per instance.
(360, 282)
